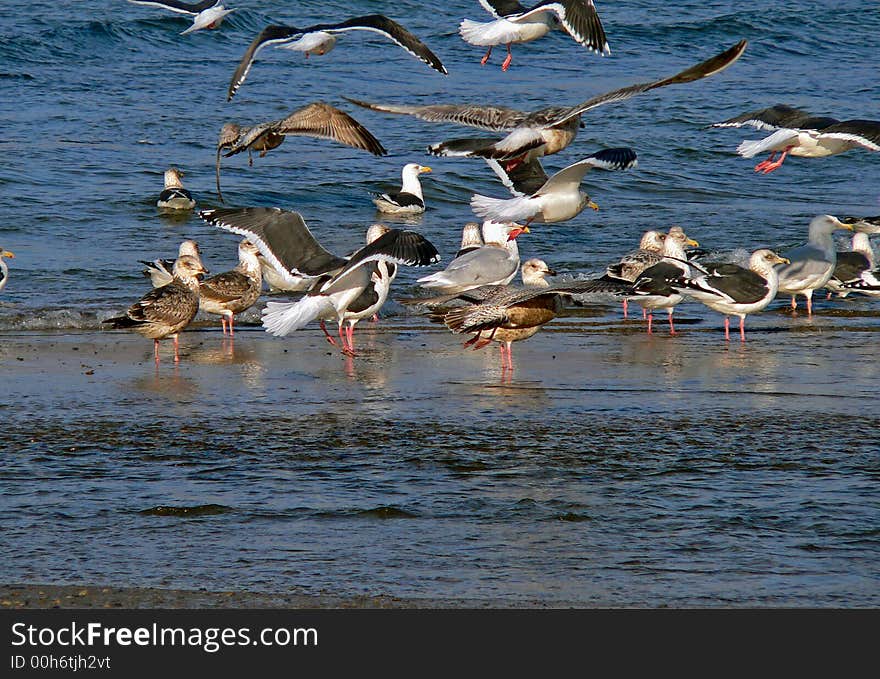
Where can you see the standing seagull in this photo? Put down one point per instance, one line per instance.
(164, 312)
(321, 38)
(798, 133)
(735, 291)
(317, 119)
(174, 196)
(206, 14)
(531, 134)
(851, 267)
(633, 263)
(560, 198)
(514, 23)
(812, 264)
(654, 285)
(232, 292)
(159, 270)
(409, 200)
(4, 270)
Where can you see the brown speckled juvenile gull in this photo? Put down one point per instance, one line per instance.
(544, 131)
(232, 292)
(164, 312)
(317, 119)
(633, 263)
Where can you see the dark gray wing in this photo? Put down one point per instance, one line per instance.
(579, 19)
(494, 118)
(704, 69)
(865, 133)
(273, 34)
(523, 180)
(377, 23)
(743, 286)
(850, 266)
(779, 116)
(179, 7)
(502, 8)
(282, 237)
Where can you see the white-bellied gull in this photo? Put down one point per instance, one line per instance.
(320, 38)
(734, 290)
(409, 200)
(798, 133)
(514, 24)
(560, 198)
(164, 312)
(634, 262)
(206, 14)
(812, 264)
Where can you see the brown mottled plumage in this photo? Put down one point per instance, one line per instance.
(313, 120)
(164, 312)
(234, 291)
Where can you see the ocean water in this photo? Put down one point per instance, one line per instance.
(624, 470)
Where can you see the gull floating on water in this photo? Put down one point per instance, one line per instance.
(317, 119)
(544, 131)
(206, 14)
(174, 196)
(812, 264)
(514, 23)
(159, 271)
(4, 270)
(321, 38)
(232, 292)
(560, 198)
(409, 200)
(495, 262)
(734, 290)
(164, 312)
(653, 286)
(798, 133)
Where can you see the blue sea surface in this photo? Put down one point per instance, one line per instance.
(657, 471)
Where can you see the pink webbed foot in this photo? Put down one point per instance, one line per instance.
(486, 57)
(506, 63)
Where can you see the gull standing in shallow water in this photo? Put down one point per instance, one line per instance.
(287, 244)
(812, 264)
(164, 312)
(560, 198)
(409, 200)
(317, 119)
(544, 131)
(206, 14)
(633, 263)
(321, 38)
(493, 263)
(4, 270)
(174, 196)
(734, 290)
(653, 286)
(514, 23)
(798, 133)
(159, 270)
(232, 292)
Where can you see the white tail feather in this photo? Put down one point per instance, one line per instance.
(282, 318)
(501, 210)
(775, 142)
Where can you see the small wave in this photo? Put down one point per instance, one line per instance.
(197, 510)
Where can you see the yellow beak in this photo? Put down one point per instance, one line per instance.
(592, 205)
(424, 168)
(692, 243)
(7, 253)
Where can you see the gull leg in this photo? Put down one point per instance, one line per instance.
(742, 329)
(231, 328)
(794, 302)
(327, 334)
(473, 339)
(671, 326)
(485, 341)
(347, 350)
(156, 349)
(726, 329)
(223, 323)
(176, 352)
(349, 334)
(506, 63)
(650, 322)
(375, 318)
(774, 165)
(764, 163)
(486, 57)
(511, 165)
(644, 314)
(809, 295)
(624, 308)
(250, 159)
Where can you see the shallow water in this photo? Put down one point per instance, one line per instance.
(611, 468)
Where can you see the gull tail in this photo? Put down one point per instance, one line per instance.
(282, 318)
(775, 142)
(477, 33)
(501, 210)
